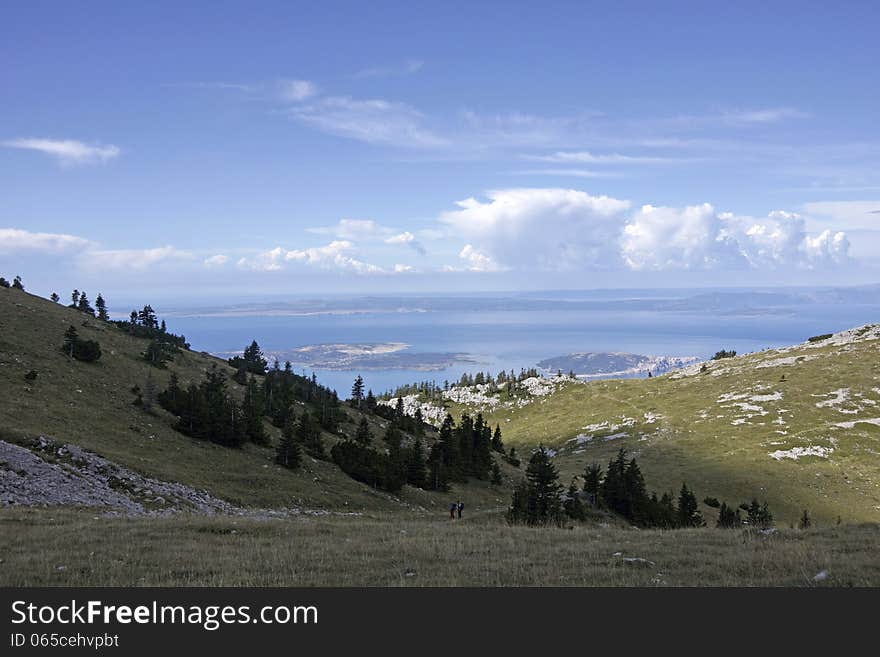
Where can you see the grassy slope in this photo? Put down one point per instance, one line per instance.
(714, 446)
(80, 549)
(90, 404)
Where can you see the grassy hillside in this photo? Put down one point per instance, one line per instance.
(799, 427)
(90, 405)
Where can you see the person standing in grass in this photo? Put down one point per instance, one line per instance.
(460, 507)
(452, 507)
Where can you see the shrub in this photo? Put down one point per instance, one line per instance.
(820, 338)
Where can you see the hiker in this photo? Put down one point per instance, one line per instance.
(460, 506)
(452, 507)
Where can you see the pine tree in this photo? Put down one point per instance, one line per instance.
(573, 506)
(4, 283)
(497, 443)
(83, 305)
(357, 392)
(416, 473)
(74, 297)
(309, 435)
(55, 298)
(252, 415)
(70, 340)
(688, 509)
(544, 489)
(363, 435)
(288, 454)
(593, 483)
(17, 284)
(101, 307)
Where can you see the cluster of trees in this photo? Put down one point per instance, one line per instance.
(538, 499)
(724, 353)
(207, 411)
(15, 285)
(757, 514)
(80, 301)
(387, 468)
(75, 347)
(145, 324)
(431, 390)
(464, 450)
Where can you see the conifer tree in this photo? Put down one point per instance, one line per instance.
(728, 517)
(74, 297)
(688, 509)
(309, 435)
(544, 501)
(4, 283)
(593, 483)
(70, 340)
(252, 416)
(101, 307)
(497, 443)
(55, 298)
(288, 454)
(573, 506)
(416, 473)
(357, 392)
(363, 435)
(17, 284)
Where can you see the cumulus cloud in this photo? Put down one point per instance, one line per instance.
(700, 238)
(67, 152)
(565, 229)
(216, 260)
(337, 255)
(406, 238)
(14, 240)
(543, 228)
(371, 121)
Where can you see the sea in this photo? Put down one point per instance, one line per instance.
(495, 332)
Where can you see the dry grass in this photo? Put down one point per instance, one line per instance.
(65, 548)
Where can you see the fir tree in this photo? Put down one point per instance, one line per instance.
(55, 298)
(544, 503)
(688, 510)
(252, 416)
(74, 297)
(288, 454)
(357, 392)
(83, 305)
(70, 339)
(416, 472)
(363, 435)
(17, 284)
(101, 307)
(497, 443)
(593, 483)
(309, 435)
(573, 506)
(4, 283)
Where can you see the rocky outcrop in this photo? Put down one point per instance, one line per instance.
(48, 474)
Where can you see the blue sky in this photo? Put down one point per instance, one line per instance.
(283, 147)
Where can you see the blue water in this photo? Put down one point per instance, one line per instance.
(511, 339)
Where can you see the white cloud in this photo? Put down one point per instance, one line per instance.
(371, 121)
(337, 255)
(477, 260)
(586, 157)
(406, 238)
(67, 152)
(847, 215)
(354, 229)
(14, 240)
(698, 237)
(296, 91)
(133, 258)
(403, 269)
(216, 260)
(540, 228)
